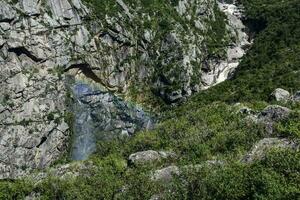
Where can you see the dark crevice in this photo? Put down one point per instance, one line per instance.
(43, 140)
(22, 50)
(86, 70)
(6, 20)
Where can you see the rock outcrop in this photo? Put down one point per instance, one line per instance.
(269, 116)
(149, 157)
(281, 95)
(261, 147)
(166, 174)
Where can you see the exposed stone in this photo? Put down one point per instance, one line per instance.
(274, 113)
(281, 95)
(144, 157)
(7, 13)
(149, 157)
(166, 174)
(260, 148)
(30, 7)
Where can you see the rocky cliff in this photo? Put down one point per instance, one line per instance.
(123, 48)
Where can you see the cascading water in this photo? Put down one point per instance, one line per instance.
(84, 139)
(101, 115)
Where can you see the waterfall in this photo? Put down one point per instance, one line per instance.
(84, 142)
(100, 115)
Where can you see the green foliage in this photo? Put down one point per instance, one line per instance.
(290, 127)
(275, 177)
(10, 190)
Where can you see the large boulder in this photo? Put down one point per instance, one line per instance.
(281, 95)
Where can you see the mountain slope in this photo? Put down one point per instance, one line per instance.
(228, 142)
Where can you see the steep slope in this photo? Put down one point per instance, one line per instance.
(135, 49)
(236, 140)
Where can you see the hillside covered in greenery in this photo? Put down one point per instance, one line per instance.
(210, 134)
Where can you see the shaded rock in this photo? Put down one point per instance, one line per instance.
(271, 115)
(268, 117)
(296, 97)
(274, 113)
(281, 95)
(243, 109)
(165, 174)
(260, 148)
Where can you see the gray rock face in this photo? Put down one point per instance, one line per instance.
(281, 95)
(30, 7)
(260, 148)
(7, 13)
(221, 69)
(149, 157)
(33, 122)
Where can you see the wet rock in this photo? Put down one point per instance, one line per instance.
(281, 95)
(99, 115)
(260, 148)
